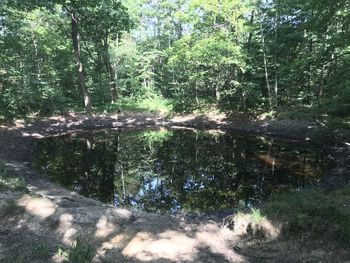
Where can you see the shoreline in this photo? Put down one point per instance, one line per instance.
(60, 216)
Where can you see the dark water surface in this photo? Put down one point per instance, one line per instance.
(174, 170)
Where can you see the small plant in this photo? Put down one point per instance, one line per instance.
(63, 253)
(7, 181)
(256, 215)
(80, 252)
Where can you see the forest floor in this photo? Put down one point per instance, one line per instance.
(40, 221)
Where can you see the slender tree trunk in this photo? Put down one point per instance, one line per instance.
(217, 94)
(114, 90)
(36, 55)
(320, 89)
(307, 53)
(244, 91)
(309, 84)
(112, 78)
(250, 33)
(265, 62)
(77, 53)
(276, 58)
(113, 74)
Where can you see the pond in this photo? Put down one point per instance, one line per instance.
(168, 171)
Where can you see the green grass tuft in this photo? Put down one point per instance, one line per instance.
(80, 252)
(256, 215)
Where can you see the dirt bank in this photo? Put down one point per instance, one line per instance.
(49, 214)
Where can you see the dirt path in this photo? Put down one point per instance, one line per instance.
(54, 216)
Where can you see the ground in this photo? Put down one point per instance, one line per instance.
(42, 222)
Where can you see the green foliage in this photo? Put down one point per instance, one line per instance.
(157, 137)
(341, 105)
(237, 55)
(39, 73)
(41, 251)
(315, 211)
(80, 252)
(156, 104)
(9, 181)
(256, 215)
(298, 113)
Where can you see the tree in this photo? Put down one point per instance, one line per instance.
(77, 52)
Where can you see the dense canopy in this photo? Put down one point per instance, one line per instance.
(174, 54)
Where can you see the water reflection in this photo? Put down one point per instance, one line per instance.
(172, 170)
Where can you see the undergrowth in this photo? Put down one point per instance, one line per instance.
(9, 181)
(80, 252)
(319, 213)
(153, 104)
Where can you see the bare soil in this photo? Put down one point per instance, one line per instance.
(52, 215)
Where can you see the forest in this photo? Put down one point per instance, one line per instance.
(174, 131)
(175, 56)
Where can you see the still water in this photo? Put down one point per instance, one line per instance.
(177, 170)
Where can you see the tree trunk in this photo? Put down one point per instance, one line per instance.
(250, 36)
(320, 88)
(112, 72)
(81, 76)
(244, 91)
(113, 78)
(276, 58)
(309, 78)
(37, 58)
(265, 62)
(217, 94)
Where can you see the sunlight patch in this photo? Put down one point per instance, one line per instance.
(40, 207)
(168, 245)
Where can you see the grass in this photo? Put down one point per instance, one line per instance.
(80, 252)
(256, 215)
(321, 214)
(40, 251)
(11, 182)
